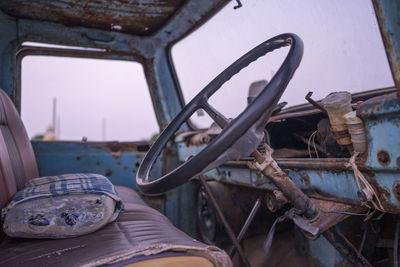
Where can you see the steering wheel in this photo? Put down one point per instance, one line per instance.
(232, 130)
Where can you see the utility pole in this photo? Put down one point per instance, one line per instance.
(103, 129)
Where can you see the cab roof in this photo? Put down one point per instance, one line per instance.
(137, 17)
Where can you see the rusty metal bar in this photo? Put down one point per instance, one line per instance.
(246, 225)
(346, 249)
(299, 200)
(227, 227)
(314, 103)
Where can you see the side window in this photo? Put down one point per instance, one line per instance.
(71, 98)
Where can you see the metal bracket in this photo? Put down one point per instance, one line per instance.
(239, 4)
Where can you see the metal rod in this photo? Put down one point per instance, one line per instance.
(364, 237)
(346, 249)
(239, 4)
(227, 227)
(314, 103)
(290, 190)
(246, 225)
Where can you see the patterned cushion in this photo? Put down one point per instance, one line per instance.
(62, 206)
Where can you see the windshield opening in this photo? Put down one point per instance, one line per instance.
(343, 50)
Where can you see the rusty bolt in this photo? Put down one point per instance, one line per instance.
(275, 200)
(396, 190)
(383, 157)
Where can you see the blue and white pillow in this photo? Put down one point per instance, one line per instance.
(62, 206)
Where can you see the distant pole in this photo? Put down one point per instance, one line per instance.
(55, 114)
(103, 129)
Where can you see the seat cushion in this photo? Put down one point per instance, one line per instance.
(147, 232)
(129, 195)
(131, 199)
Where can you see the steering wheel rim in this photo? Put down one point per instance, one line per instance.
(268, 97)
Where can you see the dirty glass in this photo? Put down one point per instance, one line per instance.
(101, 100)
(343, 51)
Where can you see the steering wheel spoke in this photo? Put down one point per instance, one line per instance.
(215, 115)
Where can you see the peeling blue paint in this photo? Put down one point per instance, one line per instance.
(55, 158)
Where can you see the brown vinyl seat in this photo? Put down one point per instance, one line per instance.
(142, 236)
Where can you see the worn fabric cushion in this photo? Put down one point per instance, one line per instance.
(62, 206)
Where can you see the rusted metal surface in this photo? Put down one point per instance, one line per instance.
(139, 17)
(384, 191)
(388, 14)
(289, 189)
(334, 164)
(333, 181)
(310, 109)
(331, 164)
(314, 103)
(332, 213)
(378, 105)
(381, 116)
(383, 157)
(396, 190)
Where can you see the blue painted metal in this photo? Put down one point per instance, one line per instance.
(186, 151)
(388, 15)
(382, 121)
(330, 178)
(342, 187)
(323, 183)
(8, 45)
(181, 207)
(70, 157)
(240, 175)
(159, 75)
(119, 162)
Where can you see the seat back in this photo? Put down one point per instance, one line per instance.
(17, 160)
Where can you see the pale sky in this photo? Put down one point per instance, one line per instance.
(343, 51)
(87, 91)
